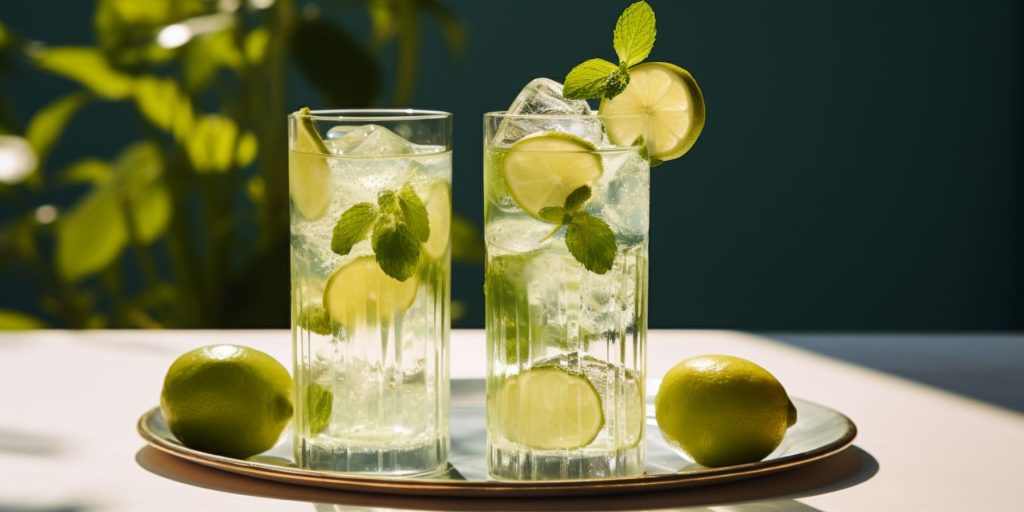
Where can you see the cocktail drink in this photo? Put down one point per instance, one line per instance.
(566, 230)
(370, 215)
(566, 213)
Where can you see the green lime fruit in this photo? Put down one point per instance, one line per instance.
(723, 410)
(227, 399)
(542, 170)
(673, 109)
(547, 408)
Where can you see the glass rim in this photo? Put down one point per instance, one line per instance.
(503, 114)
(374, 114)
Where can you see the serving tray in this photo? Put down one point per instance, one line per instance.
(819, 433)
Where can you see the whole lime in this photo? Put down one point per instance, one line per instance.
(723, 410)
(227, 399)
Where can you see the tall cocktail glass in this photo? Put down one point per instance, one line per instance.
(565, 344)
(370, 291)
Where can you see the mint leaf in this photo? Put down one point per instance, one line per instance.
(414, 213)
(591, 242)
(577, 198)
(352, 227)
(588, 80)
(388, 202)
(634, 34)
(314, 318)
(616, 83)
(319, 403)
(396, 247)
(553, 214)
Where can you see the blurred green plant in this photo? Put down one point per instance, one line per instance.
(188, 225)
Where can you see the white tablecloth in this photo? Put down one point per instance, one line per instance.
(69, 402)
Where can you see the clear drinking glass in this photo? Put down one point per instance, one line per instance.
(370, 351)
(565, 345)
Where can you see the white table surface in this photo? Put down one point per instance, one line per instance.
(69, 402)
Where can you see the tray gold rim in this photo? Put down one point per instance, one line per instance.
(497, 488)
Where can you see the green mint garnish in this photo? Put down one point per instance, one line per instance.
(397, 249)
(590, 79)
(352, 227)
(414, 212)
(588, 238)
(314, 318)
(319, 403)
(591, 242)
(633, 40)
(634, 34)
(399, 224)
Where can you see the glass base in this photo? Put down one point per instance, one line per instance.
(420, 459)
(518, 464)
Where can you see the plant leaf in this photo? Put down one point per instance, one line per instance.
(352, 227)
(591, 242)
(466, 243)
(344, 75)
(577, 198)
(18, 321)
(88, 67)
(159, 100)
(46, 126)
(634, 34)
(207, 53)
(414, 214)
(588, 79)
(90, 235)
(246, 150)
(256, 43)
(214, 143)
(88, 170)
(396, 248)
(138, 172)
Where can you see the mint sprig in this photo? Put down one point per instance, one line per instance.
(399, 226)
(633, 41)
(319, 403)
(588, 238)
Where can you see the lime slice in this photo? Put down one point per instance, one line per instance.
(547, 409)
(439, 213)
(360, 293)
(634, 408)
(671, 98)
(541, 170)
(309, 179)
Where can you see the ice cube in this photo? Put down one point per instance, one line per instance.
(622, 197)
(518, 234)
(367, 140)
(543, 97)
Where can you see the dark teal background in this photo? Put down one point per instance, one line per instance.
(860, 168)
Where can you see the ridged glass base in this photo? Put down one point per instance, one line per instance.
(424, 458)
(518, 464)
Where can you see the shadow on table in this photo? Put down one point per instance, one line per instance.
(20, 442)
(982, 366)
(775, 492)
